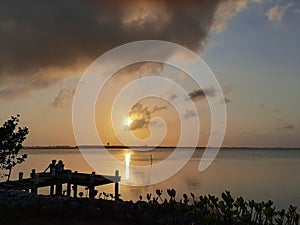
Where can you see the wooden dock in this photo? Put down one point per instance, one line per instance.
(55, 182)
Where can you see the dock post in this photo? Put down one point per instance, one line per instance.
(92, 185)
(58, 189)
(51, 190)
(69, 183)
(52, 185)
(58, 186)
(116, 185)
(32, 174)
(36, 178)
(20, 176)
(75, 185)
(35, 182)
(26, 190)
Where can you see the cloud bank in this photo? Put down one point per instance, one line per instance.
(42, 42)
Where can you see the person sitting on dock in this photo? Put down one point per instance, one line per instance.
(60, 166)
(51, 166)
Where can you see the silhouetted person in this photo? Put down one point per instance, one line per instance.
(60, 166)
(51, 166)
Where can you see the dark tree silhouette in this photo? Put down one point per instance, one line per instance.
(11, 139)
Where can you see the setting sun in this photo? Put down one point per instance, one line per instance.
(150, 112)
(127, 121)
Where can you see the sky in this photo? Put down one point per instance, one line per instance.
(252, 47)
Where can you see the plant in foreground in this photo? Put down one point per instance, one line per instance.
(212, 210)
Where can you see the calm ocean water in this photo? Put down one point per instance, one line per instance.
(259, 174)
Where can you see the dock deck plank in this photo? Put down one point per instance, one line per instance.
(47, 180)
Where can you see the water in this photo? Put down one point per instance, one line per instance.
(259, 174)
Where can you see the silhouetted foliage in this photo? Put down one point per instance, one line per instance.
(212, 210)
(172, 194)
(11, 139)
(204, 210)
(159, 193)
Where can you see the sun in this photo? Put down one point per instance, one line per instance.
(127, 121)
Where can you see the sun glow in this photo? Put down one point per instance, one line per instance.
(127, 121)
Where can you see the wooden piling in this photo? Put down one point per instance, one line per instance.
(91, 185)
(69, 183)
(20, 176)
(75, 185)
(117, 185)
(32, 174)
(52, 185)
(68, 189)
(58, 188)
(36, 179)
(35, 182)
(51, 190)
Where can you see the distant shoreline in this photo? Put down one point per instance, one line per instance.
(145, 147)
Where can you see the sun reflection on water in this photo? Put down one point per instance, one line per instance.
(127, 164)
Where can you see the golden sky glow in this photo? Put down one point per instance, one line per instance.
(251, 46)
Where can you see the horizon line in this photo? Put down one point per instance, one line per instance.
(150, 146)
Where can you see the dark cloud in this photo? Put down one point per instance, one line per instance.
(14, 86)
(287, 127)
(189, 113)
(173, 97)
(201, 93)
(40, 35)
(141, 115)
(64, 98)
(138, 123)
(155, 108)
